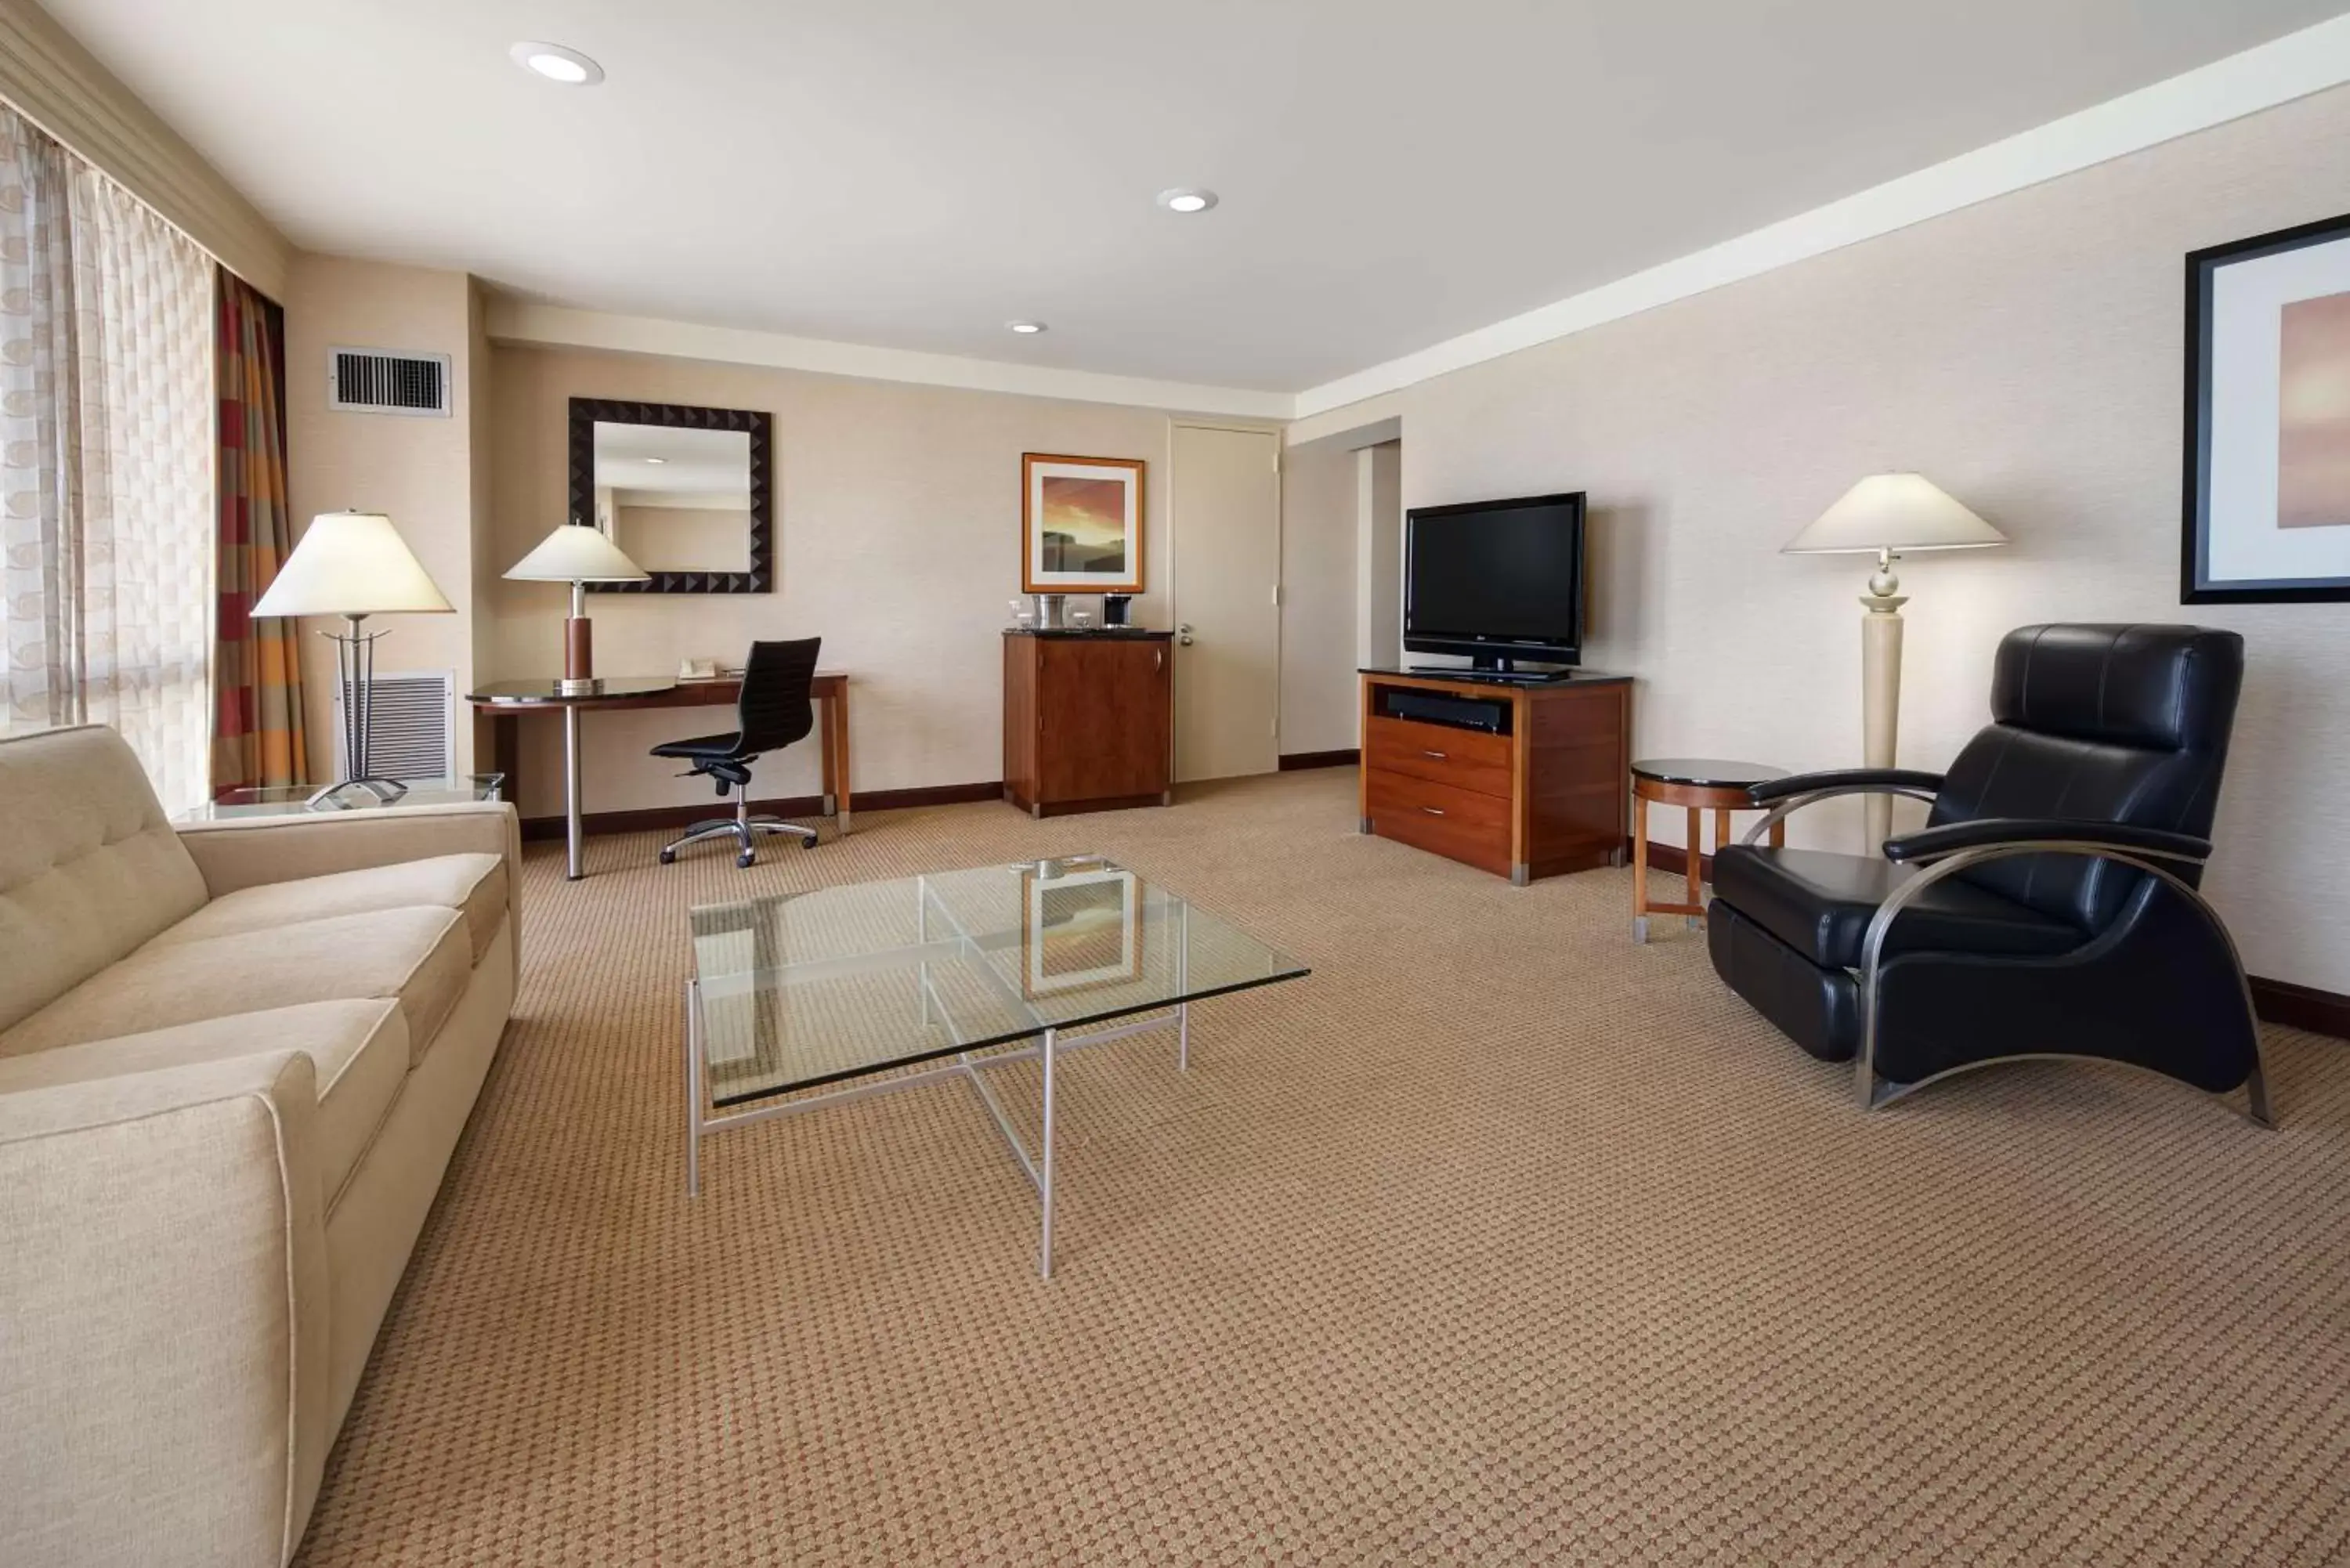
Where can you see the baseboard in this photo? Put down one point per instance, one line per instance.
(1291, 762)
(1671, 860)
(2301, 1007)
(2276, 1000)
(655, 818)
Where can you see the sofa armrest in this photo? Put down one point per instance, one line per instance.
(248, 851)
(164, 1315)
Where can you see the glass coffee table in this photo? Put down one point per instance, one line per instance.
(807, 999)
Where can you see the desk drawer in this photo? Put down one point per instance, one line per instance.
(1459, 824)
(1465, 759)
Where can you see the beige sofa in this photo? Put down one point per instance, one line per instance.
(234, 1058)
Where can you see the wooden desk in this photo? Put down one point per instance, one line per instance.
(506, 702)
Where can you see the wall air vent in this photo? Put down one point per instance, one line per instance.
(412, 733)
(377, 381)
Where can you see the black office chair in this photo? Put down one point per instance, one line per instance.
(2049, 908)
(774, 710)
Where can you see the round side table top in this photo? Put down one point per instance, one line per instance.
(1705, 773)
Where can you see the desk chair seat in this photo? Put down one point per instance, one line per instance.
(775, 709)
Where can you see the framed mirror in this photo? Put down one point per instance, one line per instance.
(687, 493)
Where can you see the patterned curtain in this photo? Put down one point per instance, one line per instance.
(258, 735)
(39, 575)
(143, 313)
(106, 412)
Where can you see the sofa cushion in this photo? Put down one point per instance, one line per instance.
(1820, 904)
(359, 1050)
(421, 957)
(89, 867)
(474, 885)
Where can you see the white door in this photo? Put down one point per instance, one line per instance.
(1225, 493)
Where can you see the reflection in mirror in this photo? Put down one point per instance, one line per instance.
(673, 499)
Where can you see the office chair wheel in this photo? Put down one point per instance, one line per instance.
(668, 857)
(745, 860)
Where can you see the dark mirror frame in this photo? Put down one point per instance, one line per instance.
(586, 413)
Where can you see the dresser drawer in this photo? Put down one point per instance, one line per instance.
(1466, 759)
(1444, 819)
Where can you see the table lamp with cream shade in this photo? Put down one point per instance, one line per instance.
(579, 555)
(1885, 515)
(353, 564)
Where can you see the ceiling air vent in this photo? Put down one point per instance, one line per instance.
(376, 381)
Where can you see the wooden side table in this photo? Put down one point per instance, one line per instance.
(1700, 785)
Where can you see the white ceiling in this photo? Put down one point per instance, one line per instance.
(913, 173)
(672, 461)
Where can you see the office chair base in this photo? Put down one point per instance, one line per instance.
(744, 830)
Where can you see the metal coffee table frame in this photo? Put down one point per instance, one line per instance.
(1053, 1043)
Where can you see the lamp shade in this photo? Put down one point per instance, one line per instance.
(575, 553)
(352, 563)
(1894, 512)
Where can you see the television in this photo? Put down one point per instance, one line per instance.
(1496, 580)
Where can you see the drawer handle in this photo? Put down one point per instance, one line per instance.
(1439, 756)
(1432, 811)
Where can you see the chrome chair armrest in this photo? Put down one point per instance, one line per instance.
(1951, 863)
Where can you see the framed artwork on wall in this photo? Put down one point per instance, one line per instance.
(2267, 515)
(1080, 524)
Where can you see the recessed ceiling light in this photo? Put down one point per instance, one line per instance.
(657, 462)
(1187, 199)
(1025, 328)
(558, 64)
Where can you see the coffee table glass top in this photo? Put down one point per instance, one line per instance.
(814, 988)
(291, 800)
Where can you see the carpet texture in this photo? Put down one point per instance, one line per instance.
(1497, 1239)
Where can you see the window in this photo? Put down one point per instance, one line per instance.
(106, 508)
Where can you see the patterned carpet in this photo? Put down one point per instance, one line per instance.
(1498, 1240)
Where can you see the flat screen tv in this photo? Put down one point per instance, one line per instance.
(1496, 580)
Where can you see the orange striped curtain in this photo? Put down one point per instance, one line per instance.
(257, 736)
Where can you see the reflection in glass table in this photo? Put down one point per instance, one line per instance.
(944, 976)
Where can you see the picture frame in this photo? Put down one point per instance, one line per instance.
(1080, 929)
(2266, 512)
(1081, 523)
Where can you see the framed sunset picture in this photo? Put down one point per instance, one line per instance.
(1080, 524)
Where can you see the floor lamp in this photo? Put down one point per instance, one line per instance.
(353, 564)
(1883, 516)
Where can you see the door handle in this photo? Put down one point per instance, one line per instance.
(1157, 659)
(1439, 756)
(1432, 811)
(1183, 633)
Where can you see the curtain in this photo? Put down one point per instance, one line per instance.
(105, 411)
(257, 733)
(37, 463)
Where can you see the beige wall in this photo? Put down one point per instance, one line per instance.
(2026, 355)
(1317, 620)
(419, 470)
(898, 530)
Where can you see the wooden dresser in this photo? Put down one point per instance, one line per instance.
(1088, 720)
(1521, 781)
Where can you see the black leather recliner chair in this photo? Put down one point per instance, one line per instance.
(2049, 907)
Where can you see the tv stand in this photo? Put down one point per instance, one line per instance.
(1521, 778)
